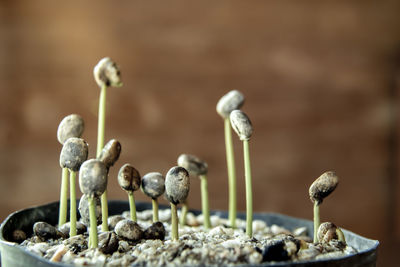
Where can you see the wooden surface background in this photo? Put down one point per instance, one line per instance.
(321, 82)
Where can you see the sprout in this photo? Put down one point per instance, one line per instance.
(198, 167)
(71, 126)
(328, 231)
(153, 185)
(106, 73)
(177, 186)
(129, 180)
(320, 189)
(242, 126)
(93, 182)
(73, 154)
(229, 102)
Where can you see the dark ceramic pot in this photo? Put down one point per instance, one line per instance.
(14, 255)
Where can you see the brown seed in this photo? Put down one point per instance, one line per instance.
(129, 230)
(108, 242)
(18, 236)
(327, 232)
(74, 153)
(107, 73)
(193, 164)
(229, 102)
(93, 176)
(84, 210)
(45, 231)
(153, 184)
(241, 124)
(113, 220)
(177, 185)
(155, 231)
(323, 186)
(129, 178)
(110, 153)
(71, 126)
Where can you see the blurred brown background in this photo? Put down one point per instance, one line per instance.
(321, 82)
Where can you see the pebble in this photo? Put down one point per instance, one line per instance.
(129, 229)
(301, 231)
(60, 252)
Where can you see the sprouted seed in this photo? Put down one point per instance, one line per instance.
(129, 180)
(153, 185)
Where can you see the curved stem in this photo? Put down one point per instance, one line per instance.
(72, 203)
(184, 211)
(132, 206)
(93, 224)
(155, 210)
(174, 223)
(204, 202)
(104, 212)
(230, 161)
(249, 190)
(63, 198)
(317, 221)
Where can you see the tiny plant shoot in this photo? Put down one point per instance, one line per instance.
(129, 180)
(73, 154)
(229, 102)
(177, 185)
(198, 167)
(153, 185)
(71, 126)
(244, 129)
(320, 189)
(106, 73)
(93, 182)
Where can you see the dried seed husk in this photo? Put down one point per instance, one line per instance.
(177, 185)
(241, 124)
(107, 73)
(110, 153)
(84, 210)
(323, 186)
(153, 184)
(229, 102)
(71, 126)
(129, 178)
(93, 176)
(74, 153)
(327, 232)
(193, 164)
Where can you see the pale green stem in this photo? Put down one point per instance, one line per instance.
(249, 190)
(340, 235)
(184, 211)
(104, 212)
(204, 202)
(63, 198)
(230, 161)
(72, 203)
(317, 221)
(174, 223)
(155, 209)
(132, 206)
(93, 223)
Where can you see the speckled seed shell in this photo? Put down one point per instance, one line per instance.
(177, 185)
(193, 164)
(323, 186)
(110, 153)
(93, 177)
(84, 210)
(129, 178)
(327, 232)
(71, 126)
(128, 229)
(73, 153)
(229, 102)
(153, 184)
(107, 72)
(241, 124)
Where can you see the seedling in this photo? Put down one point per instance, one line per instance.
(198, 167)
(231, 101)
(106, 73)
(177, 184)
(71, 126)
(129, 180)
(73, 154)
(153, 185)
(328, 231)
(93, 182)
(244, 129)
(320, 189)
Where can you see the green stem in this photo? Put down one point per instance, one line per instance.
(317, 221)
(104, 212)
(174, 223)
(155, 209)
(132, 206)
(93, 223)
(249, 190)
(63, 198)
(230, 161)
(184, 211)
(101, 120)
(204, 202)
(72, 203)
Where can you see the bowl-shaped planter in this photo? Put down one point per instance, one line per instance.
(14, 255)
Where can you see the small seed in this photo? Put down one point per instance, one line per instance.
(155, 231)
(129, 229)
(323, 186)
(193, 164)
(107, 73)
(84, 209)
(110, 153)
(229, 102)
(327, 232)
(129, 178)
(108, 242)
(153, 184)
(93, 177)
(177, 185)
(45, 230)
(71, 126)
(241, 124)
(113, 220)
(73, 153)
(18, 236)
